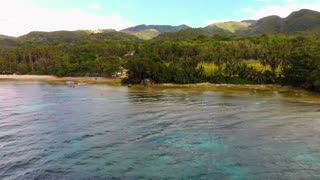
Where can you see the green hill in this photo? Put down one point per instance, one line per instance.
(303, 20)
(191, 33)
(147, 32)
(231, 26)
(7, 41)
(297, 22)
(115, 36)
(5, 37)
(75, 36)
(57, 36)
(267, 25)
(160, 28)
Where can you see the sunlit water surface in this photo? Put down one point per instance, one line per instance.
(50, 131)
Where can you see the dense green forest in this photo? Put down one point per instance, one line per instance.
(288, 60)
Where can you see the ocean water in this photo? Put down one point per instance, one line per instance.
(51, 131)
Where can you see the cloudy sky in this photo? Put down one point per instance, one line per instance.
(18, 17)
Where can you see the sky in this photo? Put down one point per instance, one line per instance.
(18, 17)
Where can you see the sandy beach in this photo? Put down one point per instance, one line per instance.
(55, 79)
(50, 78)
(117, 81)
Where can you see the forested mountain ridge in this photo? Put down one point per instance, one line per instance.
(266, 25)
(5, 37)
(65, 37)
(297, 22)
(303, 21)
(7, 41)
(74, 36)
(160, 28)
(146, 34)
(151, 31)
(231, 26)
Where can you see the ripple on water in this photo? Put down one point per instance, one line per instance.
(57, 132)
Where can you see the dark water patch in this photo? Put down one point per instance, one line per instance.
(41, 174)
(85, 137)
(6, 138)
(10, 128)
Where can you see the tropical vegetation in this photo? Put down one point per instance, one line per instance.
(181, 56)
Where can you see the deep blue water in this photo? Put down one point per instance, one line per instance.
(50, 131)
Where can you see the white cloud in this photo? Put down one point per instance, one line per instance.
(282, 11)
(19, 17)
(94, 6)
(247, 10)
(289, 1)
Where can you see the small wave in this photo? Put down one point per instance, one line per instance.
(6, 138)
(33, 107)
(84, 137)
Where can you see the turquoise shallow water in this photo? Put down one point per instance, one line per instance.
(50, 131)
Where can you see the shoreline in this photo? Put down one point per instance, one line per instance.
(55, 79)
(117, 81)
(52, 78)
(206, 84)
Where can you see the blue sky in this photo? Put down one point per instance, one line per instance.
(22, 16)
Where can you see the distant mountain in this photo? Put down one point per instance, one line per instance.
(297, 22)
(249, 21)
(151, 31)
(147, 34)
(303, 21)
(57, 37)
(65, 36)
(114, 36)
(191, 33)
(7, 41)
(99, 31)
(229, 27)
(75, 36)
(267, 25)
(223, 28)
(160, 28)
(5, 37)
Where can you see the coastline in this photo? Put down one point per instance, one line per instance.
(206, 84)
(51, 78)
(55, 79)
(117, 81)
(227, 89)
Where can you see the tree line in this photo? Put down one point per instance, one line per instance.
(288, 60)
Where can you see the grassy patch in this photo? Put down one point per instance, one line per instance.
(210, 68)
(258, 66)
(233, 26)
(147, 34)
